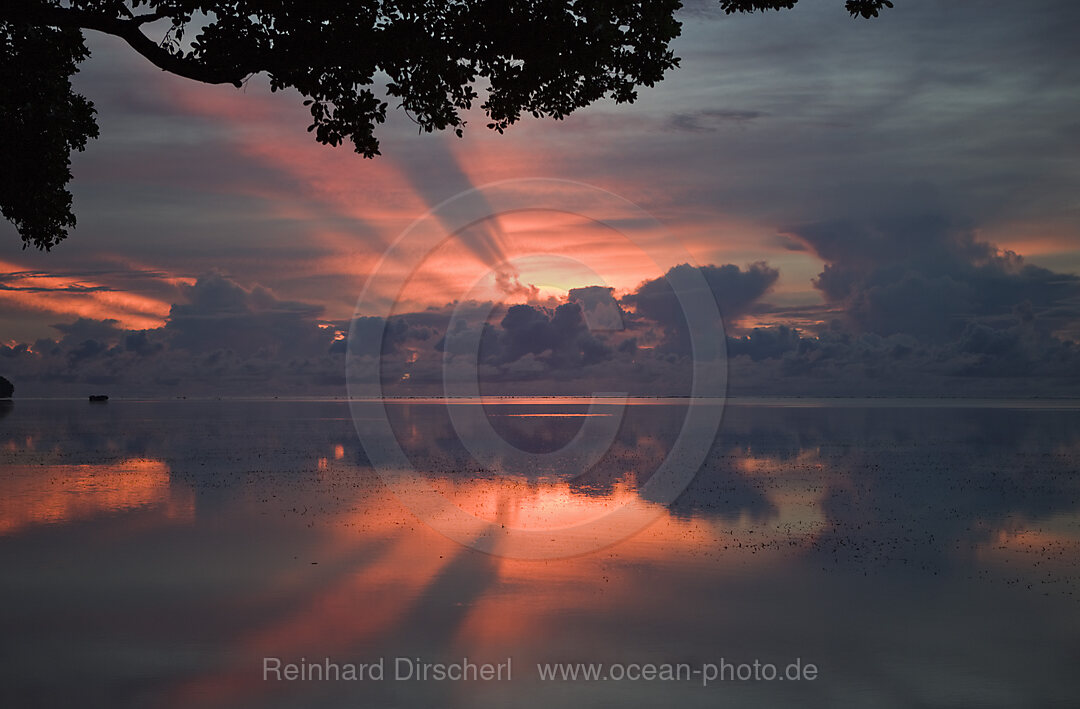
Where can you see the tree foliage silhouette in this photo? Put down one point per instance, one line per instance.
(543, 58)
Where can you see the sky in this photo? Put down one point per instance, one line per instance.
(879, 207)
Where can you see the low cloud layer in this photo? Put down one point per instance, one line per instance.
(917, 307)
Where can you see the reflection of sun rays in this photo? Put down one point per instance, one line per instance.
(368, 591)
(397, 573)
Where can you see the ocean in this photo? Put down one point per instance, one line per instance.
(271, 553)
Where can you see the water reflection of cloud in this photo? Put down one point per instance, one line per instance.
(815, 530)
(61, 494)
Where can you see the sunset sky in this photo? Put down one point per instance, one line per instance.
(903, 192)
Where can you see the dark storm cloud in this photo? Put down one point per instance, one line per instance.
(599, 306)
(225, 338)
(1019, 350)
(551, 339)
(1010, 360)
(734, 290)
(528, 330)
(108, 330)
(141, 344)
(926, 277)
(223, 315)
(764, 343)
(395, 332)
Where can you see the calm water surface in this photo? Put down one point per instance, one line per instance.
(154, 553)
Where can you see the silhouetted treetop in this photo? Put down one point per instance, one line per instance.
(857, 8)
(543, 58)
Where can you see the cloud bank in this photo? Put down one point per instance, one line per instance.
(917, 307)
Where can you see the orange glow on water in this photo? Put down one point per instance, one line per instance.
(518, 504)
(379, 567)
(59, 494)
(1048, 544)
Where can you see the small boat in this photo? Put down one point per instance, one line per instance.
(99, 397)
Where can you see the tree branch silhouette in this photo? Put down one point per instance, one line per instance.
(541, 58)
